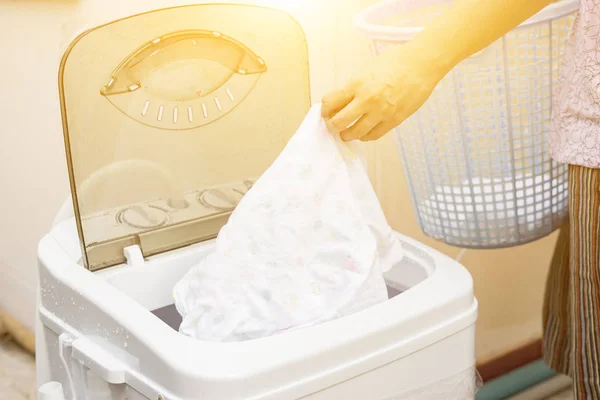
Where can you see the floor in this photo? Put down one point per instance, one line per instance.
(17, 375)
(17, 372)
(566, 395)
(556, 388)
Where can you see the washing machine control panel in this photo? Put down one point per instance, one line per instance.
(137, 218)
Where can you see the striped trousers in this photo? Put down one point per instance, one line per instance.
(572, 300)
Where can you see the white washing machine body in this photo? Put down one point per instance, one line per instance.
(118, 324)
(168, 117)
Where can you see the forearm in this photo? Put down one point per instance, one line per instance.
(468, 26)
(400, 80)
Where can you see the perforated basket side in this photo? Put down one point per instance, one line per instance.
(475, 155)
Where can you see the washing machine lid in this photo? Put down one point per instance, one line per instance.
(170, 115)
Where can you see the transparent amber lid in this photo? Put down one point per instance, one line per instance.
(169, 117)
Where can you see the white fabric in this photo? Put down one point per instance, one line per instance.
(307, 244)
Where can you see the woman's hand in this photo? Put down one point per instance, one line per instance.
(399, 81)
(394, 86)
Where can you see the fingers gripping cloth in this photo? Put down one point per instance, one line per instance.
(307, 244)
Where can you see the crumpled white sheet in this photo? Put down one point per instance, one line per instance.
(307, 244)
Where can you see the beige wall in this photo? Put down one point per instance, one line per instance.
(509, 283)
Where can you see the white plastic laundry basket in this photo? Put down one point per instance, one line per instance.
(475, 155)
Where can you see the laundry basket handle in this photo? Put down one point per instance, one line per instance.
(367, 21)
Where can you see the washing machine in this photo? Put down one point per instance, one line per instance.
(169, 116)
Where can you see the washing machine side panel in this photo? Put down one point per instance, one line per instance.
(56, 370)
(42, 361)
(152, 358)
(76, 314)
(445, 370)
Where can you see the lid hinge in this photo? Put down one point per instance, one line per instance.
(133, 255)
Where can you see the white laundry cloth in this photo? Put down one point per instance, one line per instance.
(307, 244)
